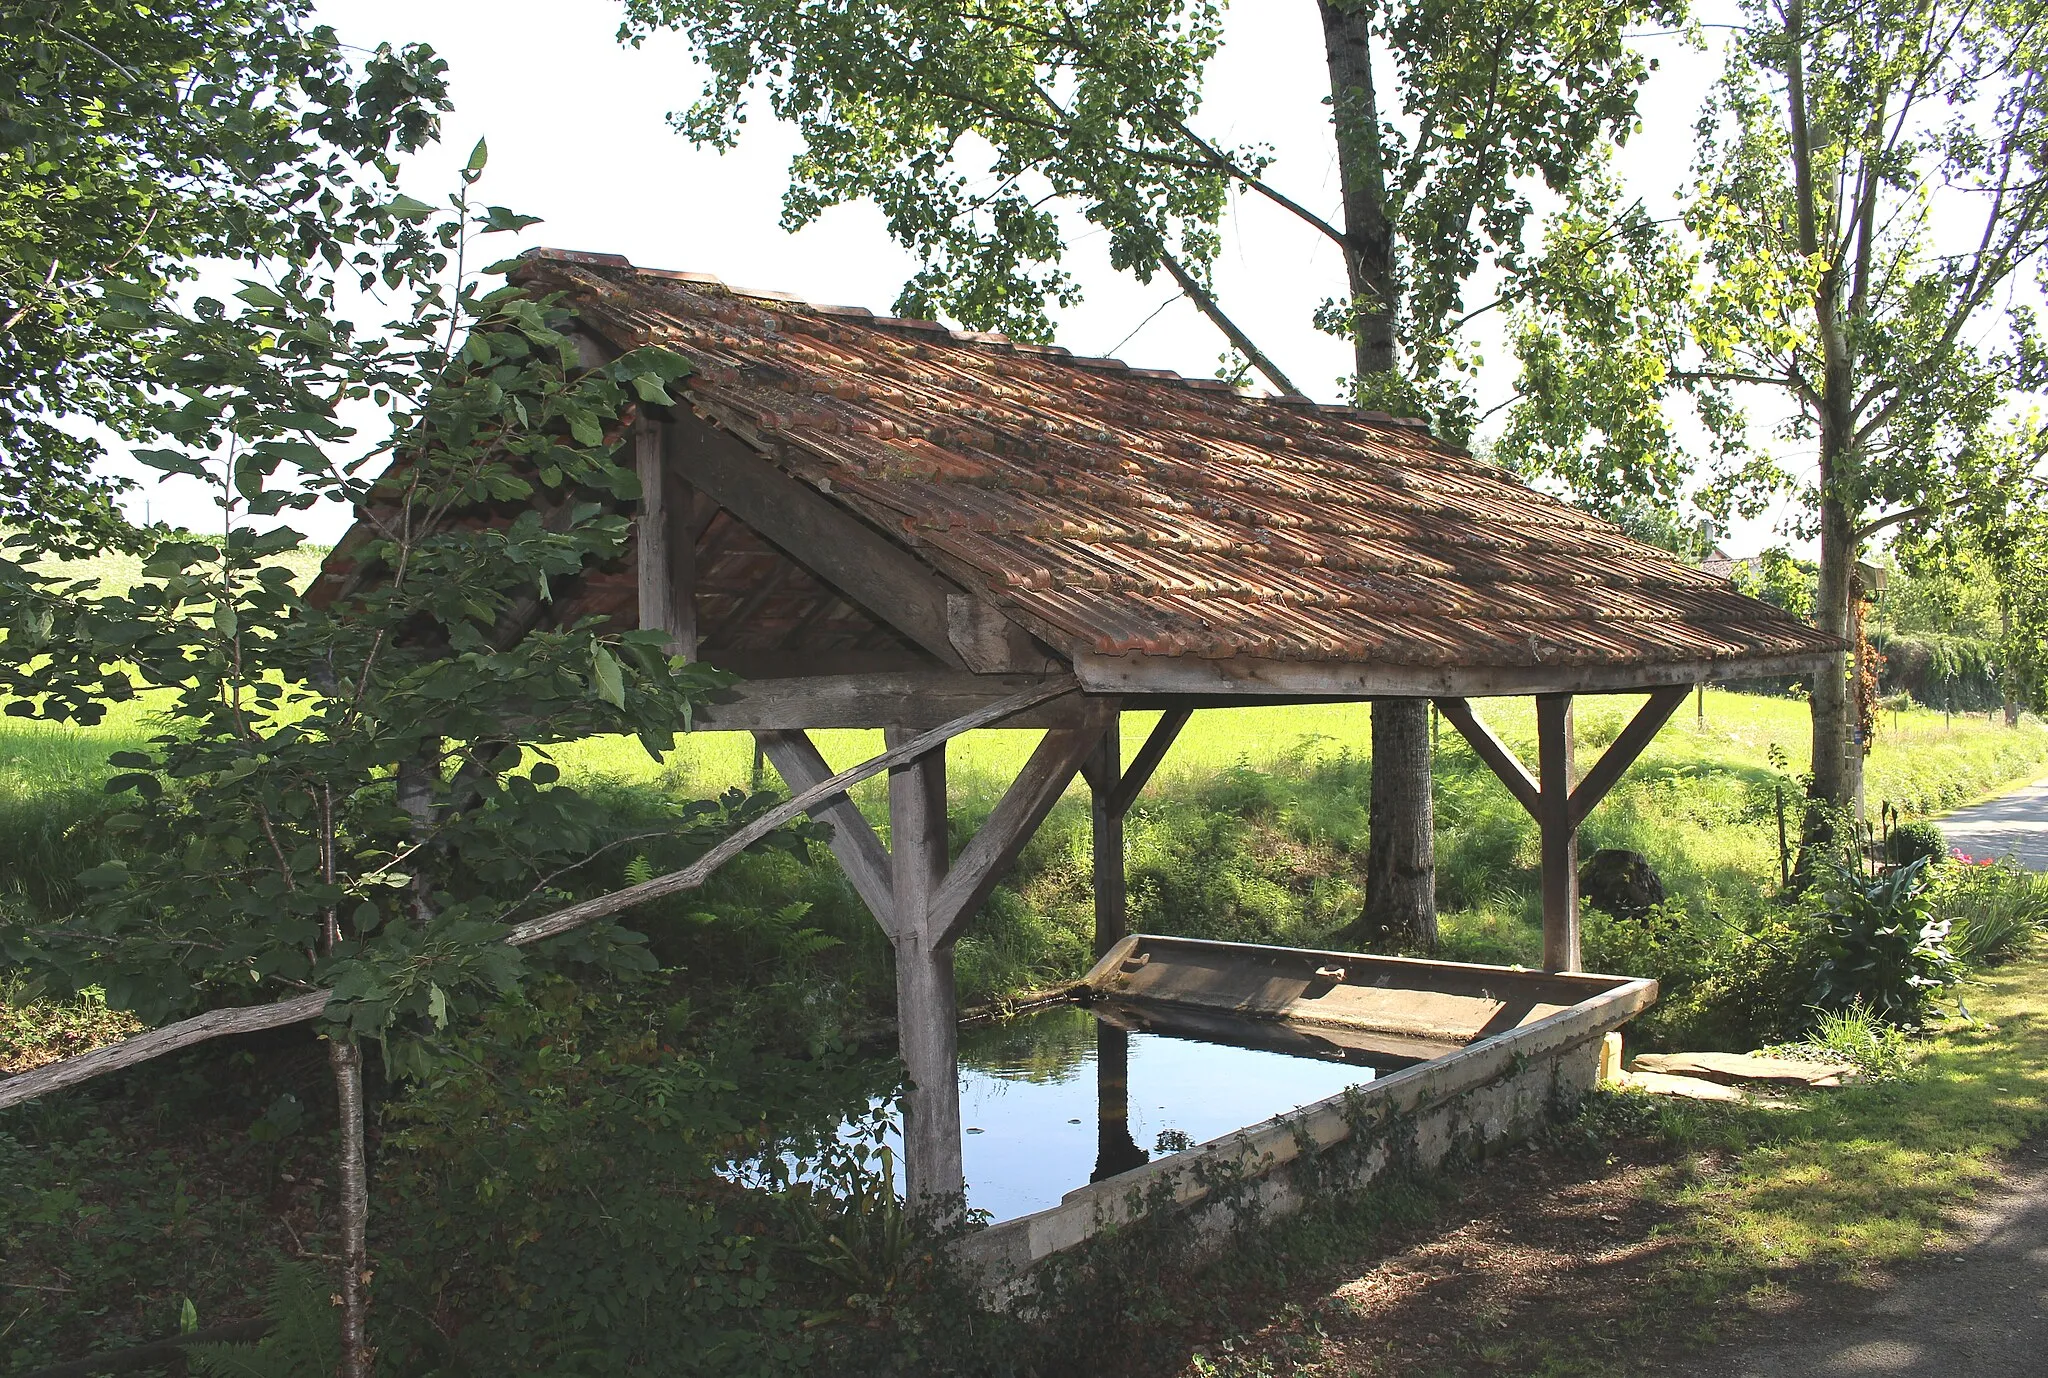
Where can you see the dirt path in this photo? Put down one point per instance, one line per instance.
(1980, 1312)
(2014, 825)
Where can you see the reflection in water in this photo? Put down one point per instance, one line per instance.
(1064, 1096)
(1115, 1150)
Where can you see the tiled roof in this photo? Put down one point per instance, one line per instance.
(1114, 510)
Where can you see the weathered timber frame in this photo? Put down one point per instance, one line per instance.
(963, 651)
(1558, 804)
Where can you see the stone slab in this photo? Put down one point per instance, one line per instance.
(1690, 1088)
(1747, 1069)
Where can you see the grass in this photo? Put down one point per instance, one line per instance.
(1661, 1222)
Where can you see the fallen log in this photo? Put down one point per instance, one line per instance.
(214, 1024)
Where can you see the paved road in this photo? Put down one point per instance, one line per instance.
(2013, 824)
(1981, 1312)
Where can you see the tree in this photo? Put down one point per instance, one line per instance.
(1869, 189)
(353, 793)
(134, 141)
(970, 126)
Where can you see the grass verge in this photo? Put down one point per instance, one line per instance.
(1645, 1230)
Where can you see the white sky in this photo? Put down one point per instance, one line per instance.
(577, 136)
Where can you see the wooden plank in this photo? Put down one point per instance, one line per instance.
(889, 582)
(1023, 807)
(1200, 676)
(1622, 752)
(860, 853)
(1494, 752)
(919, 700)
(927, 1004)
(1147, 760)
(1106, 823)
(1559, 837)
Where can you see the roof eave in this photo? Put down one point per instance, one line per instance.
(1246, 675)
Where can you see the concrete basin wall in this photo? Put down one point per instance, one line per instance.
(1497, 1089)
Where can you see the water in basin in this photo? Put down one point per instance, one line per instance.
(1055, 1098)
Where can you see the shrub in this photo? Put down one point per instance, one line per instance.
(1995, 908)
(1911, 842)
(1876, 944)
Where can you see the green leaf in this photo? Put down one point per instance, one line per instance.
(258, 295)
(225, 622)
(498, 220)
(409, 208)
(651, 390)
(478, 156)
(188, 1317)
(437, 1006)
(605, 680)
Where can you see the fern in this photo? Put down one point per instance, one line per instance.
(304, 1338)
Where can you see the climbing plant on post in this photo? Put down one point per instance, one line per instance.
(968, 126)
(352, 792)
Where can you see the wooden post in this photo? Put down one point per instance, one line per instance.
(1103, 770)
(927, 1008)
(1560, 834)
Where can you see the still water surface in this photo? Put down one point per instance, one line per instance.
(1040, 1097)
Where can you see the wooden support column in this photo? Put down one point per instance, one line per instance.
(667, 549)
(1112, 792)
(1559, 830)
(923, 903)
(927, 1007)
(1104, 765)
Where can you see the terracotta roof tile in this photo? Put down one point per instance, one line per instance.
(1115, 509)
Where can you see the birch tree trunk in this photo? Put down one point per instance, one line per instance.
(345, 1058)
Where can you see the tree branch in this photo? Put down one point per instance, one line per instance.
(1206, 304)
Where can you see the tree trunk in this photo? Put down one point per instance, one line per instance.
(1400, 860)
(345, 1057)
(2007, 681)
(1400, 869)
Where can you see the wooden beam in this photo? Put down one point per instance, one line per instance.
(1106, 830)
(1023, 807)
(906, 699)
(1147, 760)
(860, 853)
(1559, 836)
(889, 582)
(1494, 752)
(1622, 752)
(1254, 676)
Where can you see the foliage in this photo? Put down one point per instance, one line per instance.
(301, 1339)
(1876, 944)
(341, 799)
(584, 1184)
(1813, 272)
(968, 127)
(1879, 1049)
(134, 142)
(1781, 579)
(1995, 907)
(34, 1031)
(1919, 841)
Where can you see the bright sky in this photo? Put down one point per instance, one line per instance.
(577, 136)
